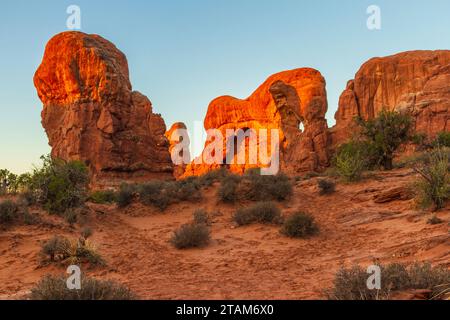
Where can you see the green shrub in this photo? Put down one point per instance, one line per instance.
(71, 252)
(125, 195)
(326, 187)
(255, 187)
(71, 216)
(201, 217)
(419, 139)
(9, 211)
(210, 177)
(161, 194)
(433, 187)
(228, 189)
(55, 288)
(442, 140)
(351, 283)
(350, 161)
(385, 133)
(60, 185)
(154, 193)
(259, 187)
(103, 197)
(261, 212)
(185, 190)
(299, 225)
(29, 218)
(192, 235)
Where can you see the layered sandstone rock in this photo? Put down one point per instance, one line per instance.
(285, 101)
(416, 81)
(91, 113)
(180, 156)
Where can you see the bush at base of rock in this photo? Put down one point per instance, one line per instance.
(103, 197)
(255, 187)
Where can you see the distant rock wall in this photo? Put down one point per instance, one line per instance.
(416, 81)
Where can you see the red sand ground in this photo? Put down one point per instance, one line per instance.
(253, 262)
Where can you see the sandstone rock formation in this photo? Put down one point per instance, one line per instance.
(285, 101)
(91, 113)
(417, 81)
(175, 136)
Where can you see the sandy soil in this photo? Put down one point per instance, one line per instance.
(253, 262)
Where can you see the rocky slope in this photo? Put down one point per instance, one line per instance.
(91, 113)
(360, 223)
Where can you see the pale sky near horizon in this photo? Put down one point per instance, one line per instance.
(182, 54)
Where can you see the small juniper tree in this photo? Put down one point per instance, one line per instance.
(386, 133)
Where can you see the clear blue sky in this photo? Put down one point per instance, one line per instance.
(184, 53)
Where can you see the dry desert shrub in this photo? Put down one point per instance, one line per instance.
(11, 212)
(103, 196)
(192, 235)
(55, 288)
(326, 187)
(253, 186)
(351, 283)
(433, 186)
(8, 212)
(261, 212)
(201, 216)
(71, 251)
(299, 225)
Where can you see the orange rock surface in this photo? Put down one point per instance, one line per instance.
(175, 137)
(91, 113)
(284, 101)
(417, 81)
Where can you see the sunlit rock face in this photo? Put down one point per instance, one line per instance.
(293, 102)
(416, 81)
(180, 156)
(91, 113)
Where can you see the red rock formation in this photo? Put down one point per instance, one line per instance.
(175, 136)
(283, 101)
(91, 113)
(418, 81)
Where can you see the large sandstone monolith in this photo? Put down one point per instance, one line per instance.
(415, 81)
(91, 113)
(180, 156)
(294, 102)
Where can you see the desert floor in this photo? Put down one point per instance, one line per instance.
(253, 262)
